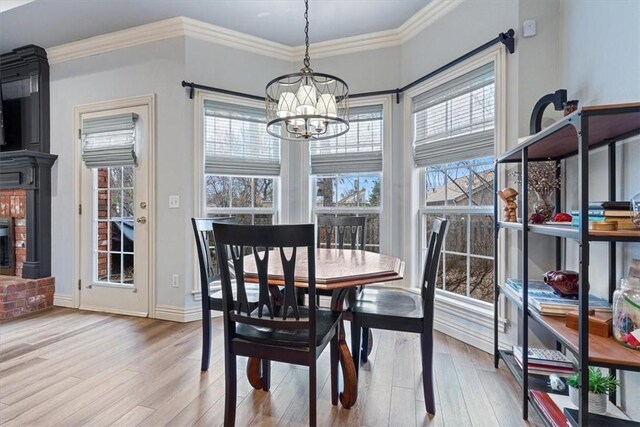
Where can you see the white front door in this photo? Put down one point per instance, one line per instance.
(114, 229)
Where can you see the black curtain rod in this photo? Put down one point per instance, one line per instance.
(504, 38)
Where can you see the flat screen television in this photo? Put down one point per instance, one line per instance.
(15, 111)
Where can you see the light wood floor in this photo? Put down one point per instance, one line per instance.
(70, 368)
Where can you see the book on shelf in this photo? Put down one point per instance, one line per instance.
(544, 370)
(550, 410)
(598, 420)
(543, 357)
(624, 223)
(544, 300)
(611, 205)
(620, 213)
(558, 410)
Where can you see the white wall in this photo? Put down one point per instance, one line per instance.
(603, 67)
(151, 68)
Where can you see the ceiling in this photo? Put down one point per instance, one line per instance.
(49, 23)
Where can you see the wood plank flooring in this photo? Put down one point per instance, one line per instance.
(74, 368)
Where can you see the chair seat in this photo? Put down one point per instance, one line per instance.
(392, 303)
(326, 321)
(252, 296)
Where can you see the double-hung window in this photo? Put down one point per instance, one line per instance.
(454, 145)
(347, 172)
(242, 163)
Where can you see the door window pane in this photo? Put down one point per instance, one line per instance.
(114, 225)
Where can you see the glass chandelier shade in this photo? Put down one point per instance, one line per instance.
(308, 105)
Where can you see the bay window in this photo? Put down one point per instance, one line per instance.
(242, 163)
(347, 172)
(454, 144)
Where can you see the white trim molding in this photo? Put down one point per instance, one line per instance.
(148, 33)
(186, 27)
(63, 301)
(429, 14)
(467, 322)
(178, 314)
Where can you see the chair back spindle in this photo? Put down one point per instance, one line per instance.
(334, 230)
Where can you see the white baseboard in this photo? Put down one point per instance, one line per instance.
(63, 301)
(115, 311)
(178, 314)
(468, 323)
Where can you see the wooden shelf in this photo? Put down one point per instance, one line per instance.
(560, 140)
(570, 232)
(618, 236)
(603, 351)
(536, 382)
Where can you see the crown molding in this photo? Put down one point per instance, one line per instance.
(426, 16)
(235, 39)
(187, 27)
(160, 30)
(349, 45)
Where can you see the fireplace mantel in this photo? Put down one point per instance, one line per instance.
(31, 171)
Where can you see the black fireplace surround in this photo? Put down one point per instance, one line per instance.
(25, 162)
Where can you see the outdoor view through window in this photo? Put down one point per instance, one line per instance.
(462, 192)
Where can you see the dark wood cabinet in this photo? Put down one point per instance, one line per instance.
(24, 83)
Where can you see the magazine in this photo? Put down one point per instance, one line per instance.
(543, 299)
(543, 357)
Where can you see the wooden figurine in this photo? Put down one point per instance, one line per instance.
(508, 195)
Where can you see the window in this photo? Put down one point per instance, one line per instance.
(347, 172)
(242, 164)
(462, 193)
(454, 143)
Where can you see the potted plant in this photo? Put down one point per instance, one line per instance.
(600, 386)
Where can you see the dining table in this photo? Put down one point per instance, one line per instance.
(342, 272)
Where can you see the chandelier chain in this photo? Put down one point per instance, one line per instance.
(306, 34)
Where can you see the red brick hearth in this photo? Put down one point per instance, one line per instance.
(20, 296)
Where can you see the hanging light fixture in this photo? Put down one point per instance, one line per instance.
(307, 104)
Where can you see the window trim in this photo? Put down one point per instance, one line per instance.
(415, 176)
(384, 210)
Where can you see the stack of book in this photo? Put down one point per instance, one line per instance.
(558, 411)
(545, 301)
(618, 212)
(545, 362)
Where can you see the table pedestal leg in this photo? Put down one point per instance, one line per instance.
(349, 395)
(254, 373)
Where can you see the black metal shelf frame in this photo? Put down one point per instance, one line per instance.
(520, 154)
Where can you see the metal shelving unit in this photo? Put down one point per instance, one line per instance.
(575, 135)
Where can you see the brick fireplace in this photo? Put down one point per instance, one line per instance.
(26, 284)
(13, 232)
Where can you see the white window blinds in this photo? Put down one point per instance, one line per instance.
(109, 141)
(236, 141)
(455, 121)
(359, 150)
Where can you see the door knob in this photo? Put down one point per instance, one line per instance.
(142, 220)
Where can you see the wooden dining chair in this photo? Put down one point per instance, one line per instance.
(402, 310)
(210, 273)
(290, 332)
(333, 230)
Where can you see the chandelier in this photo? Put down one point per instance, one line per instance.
(308, 105)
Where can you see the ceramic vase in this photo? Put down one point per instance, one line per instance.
(597, 402)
